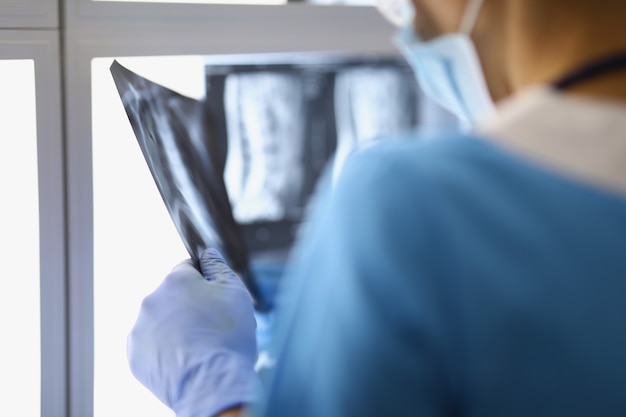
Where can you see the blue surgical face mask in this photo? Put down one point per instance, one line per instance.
(448, 68)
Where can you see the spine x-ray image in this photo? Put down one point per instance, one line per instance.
(180, 146)
(371, 103)
(236, 170)
(265, 114)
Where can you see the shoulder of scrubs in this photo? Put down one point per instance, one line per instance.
(450, 275)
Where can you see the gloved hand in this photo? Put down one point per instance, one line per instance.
(193, 344)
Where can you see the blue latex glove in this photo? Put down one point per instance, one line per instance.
(193, 344)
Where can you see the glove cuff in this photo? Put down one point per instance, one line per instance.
(222, 381)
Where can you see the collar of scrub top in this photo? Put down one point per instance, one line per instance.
(578, 137)
(581, 137)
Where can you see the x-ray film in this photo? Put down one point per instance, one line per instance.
(186, 159)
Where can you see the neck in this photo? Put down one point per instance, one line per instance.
(490, 39)
(546, 45)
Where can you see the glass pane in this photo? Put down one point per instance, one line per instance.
(19, 242)
(131, 224)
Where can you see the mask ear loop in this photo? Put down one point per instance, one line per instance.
(472, 11)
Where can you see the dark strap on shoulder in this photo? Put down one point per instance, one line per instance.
(612, 63)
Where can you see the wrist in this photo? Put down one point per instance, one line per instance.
(233, 412)
(223, 382)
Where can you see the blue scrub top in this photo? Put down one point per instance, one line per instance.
(449, 278)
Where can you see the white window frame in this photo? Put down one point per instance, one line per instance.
(29, 14)
(42, 46)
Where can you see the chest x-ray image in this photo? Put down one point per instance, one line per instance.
(183, 153)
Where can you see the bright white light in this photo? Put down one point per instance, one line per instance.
(135, 242)
(202, 1)
(320, 2)
(20, 349)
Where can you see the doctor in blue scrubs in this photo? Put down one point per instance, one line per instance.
(480, 274)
